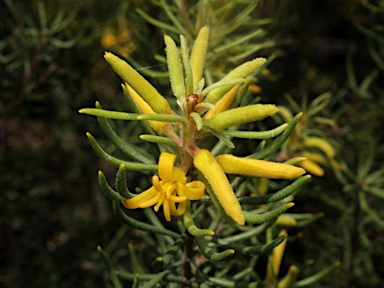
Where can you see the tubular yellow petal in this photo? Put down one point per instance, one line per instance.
(178, 199)
(193, 190)
(290, 278)
(322, 144)
(158, 200)
(314, 157)
(144, 108)
(311, 167)
(207, 165)
(257, 168)
(286, 220)
(276, 257)
(135, 202)
(175, 68)
(255, 89)
(138, 83)
(166, 210)
(180, 209)
(179, 176)
(224, 103)
(241, 71)
(166, 162)
(239, 116)
(198, 55)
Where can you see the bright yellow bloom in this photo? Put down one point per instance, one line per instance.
(257, 168)
(224, 103)
(144, 108)
(108, 40)
(311, 167)
(207, 165)
(240, 115)
(171, 189)
(276, 257)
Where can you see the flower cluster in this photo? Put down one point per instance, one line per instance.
(203, 111)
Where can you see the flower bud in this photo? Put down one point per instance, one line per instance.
(207, 165)
(144, 108)
(257, 168)
(198, 55)
(138, 83)
(240, 115)
(241, 71)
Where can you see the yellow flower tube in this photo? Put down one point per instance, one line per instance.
(320, 143)
(224, 103)
(241, 115)
(207, 165)
(138, 83)
(197, 59)
(257, 168)
(276, 257)
(242, 71)
(144, 108)
(311, 167)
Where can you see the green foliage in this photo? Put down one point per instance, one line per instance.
(53, 213)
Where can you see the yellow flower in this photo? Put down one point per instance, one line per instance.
(108, 40)
(207, 165)
(144, 107)
(171, 189)
(257, 168)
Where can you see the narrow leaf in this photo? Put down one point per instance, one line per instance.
(109, 114)
(117, 162)
(257, 135)
(108, 191)
(141, 225)
(262, 218)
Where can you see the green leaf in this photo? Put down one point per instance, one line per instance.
(295, 160)
(141, 225)
(253, 250)
(156, 279)
(121, 183)
(279, 195)
(199, 122)
(262, 218)
(158, 140)
(191, 226)
(117, 162)
(109, 114)
(309, 281)
(161, 117)
(279, 141)
(221, 136)
(108, 264)
(209, 253)
(126, 148)
(163, 261)
(254, 231)
(257, 135)
(108, 191)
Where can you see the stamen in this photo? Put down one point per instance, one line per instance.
(161, 200)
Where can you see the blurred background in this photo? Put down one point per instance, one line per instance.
(53, 214)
